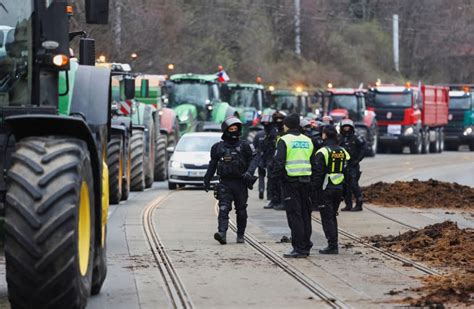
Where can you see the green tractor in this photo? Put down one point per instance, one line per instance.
(195, 98)
(248, 100)
(290, 101)
(55, 124)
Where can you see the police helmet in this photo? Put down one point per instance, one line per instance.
(230, 121)
(305, 123)
(328, 120)
(347, 122)
(278, 115)
(266, 118)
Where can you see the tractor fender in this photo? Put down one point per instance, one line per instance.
(138, 127)
(167, 120)
(75, 127)
(124, 122)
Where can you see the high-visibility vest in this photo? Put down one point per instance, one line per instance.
(299, 149)
(335, 159)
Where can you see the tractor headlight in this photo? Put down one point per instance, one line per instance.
(408, 131)
(468, 131)
(176, 164)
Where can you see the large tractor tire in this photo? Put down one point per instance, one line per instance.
(160, 159)
(127, 167)
(49, 224)
(115, 163)
(149, 164)
(99, 267)
(138, 161)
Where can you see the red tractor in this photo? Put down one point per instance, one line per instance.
(342, 103)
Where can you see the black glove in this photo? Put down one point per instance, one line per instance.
(249, 180)
(207, 185)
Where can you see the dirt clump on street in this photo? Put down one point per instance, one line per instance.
(420, 194)
(443, 245)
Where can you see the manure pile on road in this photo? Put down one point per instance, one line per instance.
(443, 245)
(420, 194)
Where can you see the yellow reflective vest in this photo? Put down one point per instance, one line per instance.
(335, 159)
(299, 149)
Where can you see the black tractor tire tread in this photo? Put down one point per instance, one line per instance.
(160, 159)
(40, 223)
(114, 152)
(137, 181)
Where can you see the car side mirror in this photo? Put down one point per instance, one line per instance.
(170, 149)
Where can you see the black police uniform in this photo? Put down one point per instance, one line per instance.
(297, 201)
(357, 148)
(331, 192)
(274, 184)
(265, 149)
(232, 159)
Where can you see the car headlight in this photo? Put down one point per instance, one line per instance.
(468, 131)
(409, 131)
(176, 164)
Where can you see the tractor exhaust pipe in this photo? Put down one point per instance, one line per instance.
(87, 51)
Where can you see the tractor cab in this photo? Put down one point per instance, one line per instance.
(196, 100)
(290, 101)
(341, 103)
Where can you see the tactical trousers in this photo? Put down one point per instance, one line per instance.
(352, 176)
(331, 200)
(261, 179)
(274, 187)
(229, 191)
(298, 213)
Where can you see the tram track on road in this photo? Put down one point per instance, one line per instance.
(405, 261)
(411, 227)
(176, 290)
(315, 288)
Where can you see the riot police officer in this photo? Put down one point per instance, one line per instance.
(233, 160)
(292, 165)
(274, 185)
(264, 146)
(357, 148)
(313, 132)
(328, 177)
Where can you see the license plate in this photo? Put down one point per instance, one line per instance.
(196, 173)
(394, 129)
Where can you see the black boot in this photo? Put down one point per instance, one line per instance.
(348, 206)
(329, 250)
(295, 254)
(279, 206)
(220, 237)
(240, 239)
(260, 195)
(358, 206)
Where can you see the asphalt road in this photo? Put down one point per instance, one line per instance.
(237, 275)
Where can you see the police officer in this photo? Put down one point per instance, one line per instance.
(274, 185)
(328, 177)
(233, 160)
(292, 164)
(357, 148)
(265, 150)
(313, 132)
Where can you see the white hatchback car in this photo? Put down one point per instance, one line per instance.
(190, 159)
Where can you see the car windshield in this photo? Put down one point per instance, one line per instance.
(392, 99)
(347, 102)
(197, 143)
(460, 102)
(189, 93)
(286, 102)
(244, 98)
(15, 52)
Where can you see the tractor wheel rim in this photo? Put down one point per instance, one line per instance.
(84, 229)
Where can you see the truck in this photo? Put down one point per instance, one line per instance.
(343, 103)
(290, 101)
(248, 100)
(54, 128)
(460, 128)
(410, 116)
(196, 100)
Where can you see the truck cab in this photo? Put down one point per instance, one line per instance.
(410, 116)
(460, 128)
(343, 103)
